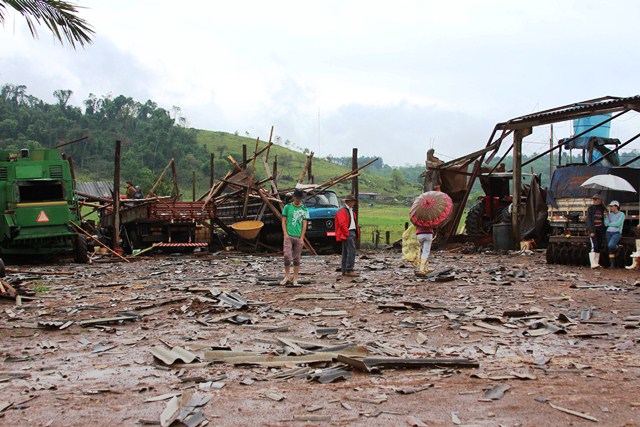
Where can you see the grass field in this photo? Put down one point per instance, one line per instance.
(382, 218)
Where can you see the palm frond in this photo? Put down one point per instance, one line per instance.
(61, 17)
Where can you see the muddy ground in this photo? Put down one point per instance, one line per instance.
(546, 337)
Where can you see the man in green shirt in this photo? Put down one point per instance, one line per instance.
(294, 225)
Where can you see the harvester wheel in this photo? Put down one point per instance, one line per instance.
(3, 271)
(80, 251)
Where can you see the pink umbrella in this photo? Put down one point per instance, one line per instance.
(431, 209)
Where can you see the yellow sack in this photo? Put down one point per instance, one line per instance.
(410, 247)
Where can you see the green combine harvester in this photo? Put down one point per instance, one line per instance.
(38, 202)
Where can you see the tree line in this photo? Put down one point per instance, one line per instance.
(150, 135)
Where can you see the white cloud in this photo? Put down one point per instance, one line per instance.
(385, 77)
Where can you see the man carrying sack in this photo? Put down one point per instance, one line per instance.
(347, 231)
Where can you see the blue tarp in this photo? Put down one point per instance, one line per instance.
(566, 183)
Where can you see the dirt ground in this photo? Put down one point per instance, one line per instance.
(546, 336)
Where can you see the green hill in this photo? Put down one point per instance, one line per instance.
(151, 136)
(291, 163)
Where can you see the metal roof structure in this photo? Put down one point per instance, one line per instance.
(607, 104)
(519, 128)
(98, 189)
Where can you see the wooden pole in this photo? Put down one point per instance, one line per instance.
(306, 168)
(212, 174)
(245, 209)
(354, 184)
(550, 153)
(115, 242)
(176, 190)
(275, 169)
(518, 136)
(193, 185)
(244, 156)
(270, 143)
(166, 168)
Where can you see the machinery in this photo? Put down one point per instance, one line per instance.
(169, 225)
(493, 207)
(554, 218)
(38, 201)
(568, 201)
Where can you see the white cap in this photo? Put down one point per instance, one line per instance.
(614, 203)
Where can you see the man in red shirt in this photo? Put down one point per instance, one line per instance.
(347, 231)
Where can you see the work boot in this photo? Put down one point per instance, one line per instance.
(635, 263)
(612, 260)
(425, 267)
(635, 258)
(351, 274)
(594, 259)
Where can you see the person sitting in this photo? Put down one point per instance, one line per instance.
(613, 220)
(131, 191)
(138, 194)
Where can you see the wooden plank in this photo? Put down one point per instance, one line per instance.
(574, 413)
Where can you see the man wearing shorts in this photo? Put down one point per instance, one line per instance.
(294, 225)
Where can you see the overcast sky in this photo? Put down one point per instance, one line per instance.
(390, 78)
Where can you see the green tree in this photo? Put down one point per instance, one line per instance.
(397, 179)
(61, 17)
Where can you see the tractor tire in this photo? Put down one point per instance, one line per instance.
(549, 254)
(476, 222)
(80, 250)
(3, 270)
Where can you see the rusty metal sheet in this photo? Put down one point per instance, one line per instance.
(369, 363)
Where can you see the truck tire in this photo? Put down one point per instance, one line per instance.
(475, 222)
(80, 251)
(3, 270)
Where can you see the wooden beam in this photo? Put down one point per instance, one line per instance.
(518, 136)
(176, 190)
(306, 168)
(155, 186)
(115, 241)
(355, 189)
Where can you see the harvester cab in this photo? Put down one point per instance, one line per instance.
(38, 202)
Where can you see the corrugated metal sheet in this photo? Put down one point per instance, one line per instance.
(102, 189)
(595, 105)
(169, 357)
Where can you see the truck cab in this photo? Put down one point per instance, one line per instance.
(322, 209)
